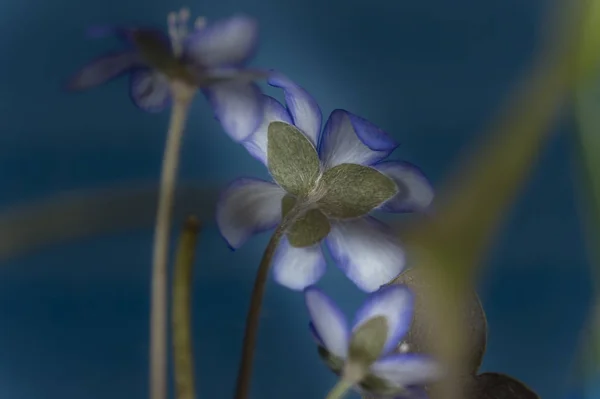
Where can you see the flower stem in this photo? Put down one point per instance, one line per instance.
(253, 316)
(340, 389)
(181, 311)
(158, 311)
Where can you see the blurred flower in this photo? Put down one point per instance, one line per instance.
(368, 346)
(210, 57)
(337, 177)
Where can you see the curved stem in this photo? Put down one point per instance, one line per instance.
(183, 359)
(158, 311)
(253, 316)
(340, 389)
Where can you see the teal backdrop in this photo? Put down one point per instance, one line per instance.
(73, 318)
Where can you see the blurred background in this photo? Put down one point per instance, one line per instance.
(74, 316)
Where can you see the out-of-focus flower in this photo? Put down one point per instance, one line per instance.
(337, 176)
(365, 353)
(211, 57)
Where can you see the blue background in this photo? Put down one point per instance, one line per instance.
(73, 318)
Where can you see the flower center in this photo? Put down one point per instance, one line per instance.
(177, 23)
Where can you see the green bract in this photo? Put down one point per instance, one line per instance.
(367, 341)
(345, 191)
(292, 159)
(353, 190)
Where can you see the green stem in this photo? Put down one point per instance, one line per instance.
(253, 316)
(340, 389)
(181, 311)
(158, 312)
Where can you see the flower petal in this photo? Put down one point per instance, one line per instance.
(297, 268)
(348, 138)
(104, 69)
(395, 303)
(407, 369)
(207, 77)
(415, 191)
(305, 111)
(366, 251)
(227, 42)
(315, 334)
(246, 207)
(328, 320)
(149, 90)
(238, 106)
(256, 144)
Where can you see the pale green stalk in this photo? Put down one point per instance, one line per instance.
(182, 96)
(340, 389)
(183, 353)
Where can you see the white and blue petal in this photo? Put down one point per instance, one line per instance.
(348, 138)
(315, 334)
(395, 303)
(328, 320)
(298, 268)
(366, 251)
(305, 111)
(228, 42)
(104, 69)
(407, 369)
(246, 207)
(238, 106)
(415, 192)
(149, 90)
(256, 144)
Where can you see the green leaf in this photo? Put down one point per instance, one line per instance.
(309, 229)
(367, 341)
(292, 159)
(354, 190)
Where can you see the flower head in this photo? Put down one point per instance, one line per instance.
(211, 57)
(365, 353)
(338, 177)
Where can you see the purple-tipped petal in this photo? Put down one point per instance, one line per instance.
(228, 42)
(305, 111)
(237, 75)
(238, 106)
(297, 268)
(415, 192)
(149, 90)
(348, 138)
(104, 69)
(407, 369)
(315, 334)
(395, 303)
(246, 207)
(328, 320)
(366, 251)
(256, 144)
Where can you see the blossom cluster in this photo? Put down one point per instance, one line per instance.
(328, 180)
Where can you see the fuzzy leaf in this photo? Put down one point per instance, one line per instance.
(354, 190)
(368, 340)
(292, 159)
(309, 229)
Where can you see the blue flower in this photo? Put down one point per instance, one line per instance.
(393, 374)
(363, 248)
(211, 57)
